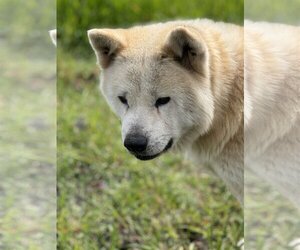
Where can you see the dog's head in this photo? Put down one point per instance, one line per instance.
(157, 81)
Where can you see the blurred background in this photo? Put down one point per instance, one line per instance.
(27, 125)
(106, 198)
(85, 15)
(276, 11)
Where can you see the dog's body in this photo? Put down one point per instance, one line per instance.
(272, 105)
(181, 84)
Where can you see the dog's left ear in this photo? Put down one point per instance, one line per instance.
(53, 36)
(107, 43)
(187, 47)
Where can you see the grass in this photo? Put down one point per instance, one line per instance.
(109, 200)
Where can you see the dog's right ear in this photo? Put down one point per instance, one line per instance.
(187, 47)
(107, 43)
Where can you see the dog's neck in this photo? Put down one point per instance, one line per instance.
(227, 83)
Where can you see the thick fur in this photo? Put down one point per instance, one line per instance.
(198, 64)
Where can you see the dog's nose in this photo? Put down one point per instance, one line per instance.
(136, 143)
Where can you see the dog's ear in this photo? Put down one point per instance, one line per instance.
(186, 46)
(107, 43)
(53, 36)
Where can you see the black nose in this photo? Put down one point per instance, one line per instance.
(136, 143)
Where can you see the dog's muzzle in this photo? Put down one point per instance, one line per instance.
(150, 157)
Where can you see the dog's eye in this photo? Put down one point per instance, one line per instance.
(123, 100)
(162, 101)
(163, 56)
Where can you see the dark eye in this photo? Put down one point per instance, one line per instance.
(163, 56)
(123, 100)
(162, 101)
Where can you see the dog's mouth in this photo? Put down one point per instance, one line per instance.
(150, 157)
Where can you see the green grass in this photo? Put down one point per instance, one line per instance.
(76, 17)
(109, 200)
